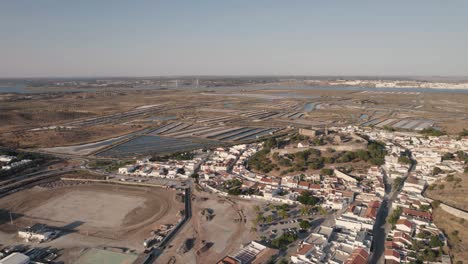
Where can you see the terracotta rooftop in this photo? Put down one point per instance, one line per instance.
(392, 252)
(391, 245)
(359, 256)
(375, 204)
(405, 222)
(418, 214)
(228, 260)
(371, 212)
(304, 248)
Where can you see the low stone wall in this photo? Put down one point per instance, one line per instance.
(450, 209)
(352, 147)
(454, 211)
(251, 197)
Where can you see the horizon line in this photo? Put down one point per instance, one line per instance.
(230, 76)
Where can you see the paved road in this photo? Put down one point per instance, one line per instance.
(381, 228)
(23, 181)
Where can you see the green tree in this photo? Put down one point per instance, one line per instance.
(260, 218)
(436, 171)
(397, 183)
(257, 208)
(304, 224)
(307, 198)
(435, 241)
(448, 156)
(270, 219)
(305, 210)
(388, 128)
(393, 218)
(322, 210)
(377, 152)
(404, 160)
(432, 132)
(326, 171)
(283, 214)
(464, 133)
(363, 155)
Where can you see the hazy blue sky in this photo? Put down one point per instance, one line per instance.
(222, 37)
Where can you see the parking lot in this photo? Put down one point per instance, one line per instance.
(275, 220)
(37, 254)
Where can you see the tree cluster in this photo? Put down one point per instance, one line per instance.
(284, 240)
(432, 132)
(393, 218)
(173, 156)
(307, 198)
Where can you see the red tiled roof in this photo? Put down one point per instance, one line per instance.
(315, 186)
(347, 194)
(391, 245)
(401, 237)
(405, 222)
(418, 214)
(392, 252)
(374, 204)
(266, 180)
(228, 260)
(371, 212)
(359, 256)
(304, 248)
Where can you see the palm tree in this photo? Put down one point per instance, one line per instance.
(283, 214)
(254, 222)
(253, 229)
(305, 210)
(269, 219)
(257, 208)
(260, 218)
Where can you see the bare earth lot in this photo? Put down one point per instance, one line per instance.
(109, 211)
(92, 214)
(225, 233)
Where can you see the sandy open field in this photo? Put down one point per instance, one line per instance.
(100, 210)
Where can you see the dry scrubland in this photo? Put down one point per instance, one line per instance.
(454, 193)
(451, 191)
(457, 231)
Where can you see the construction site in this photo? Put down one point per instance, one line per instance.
(218, 226)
